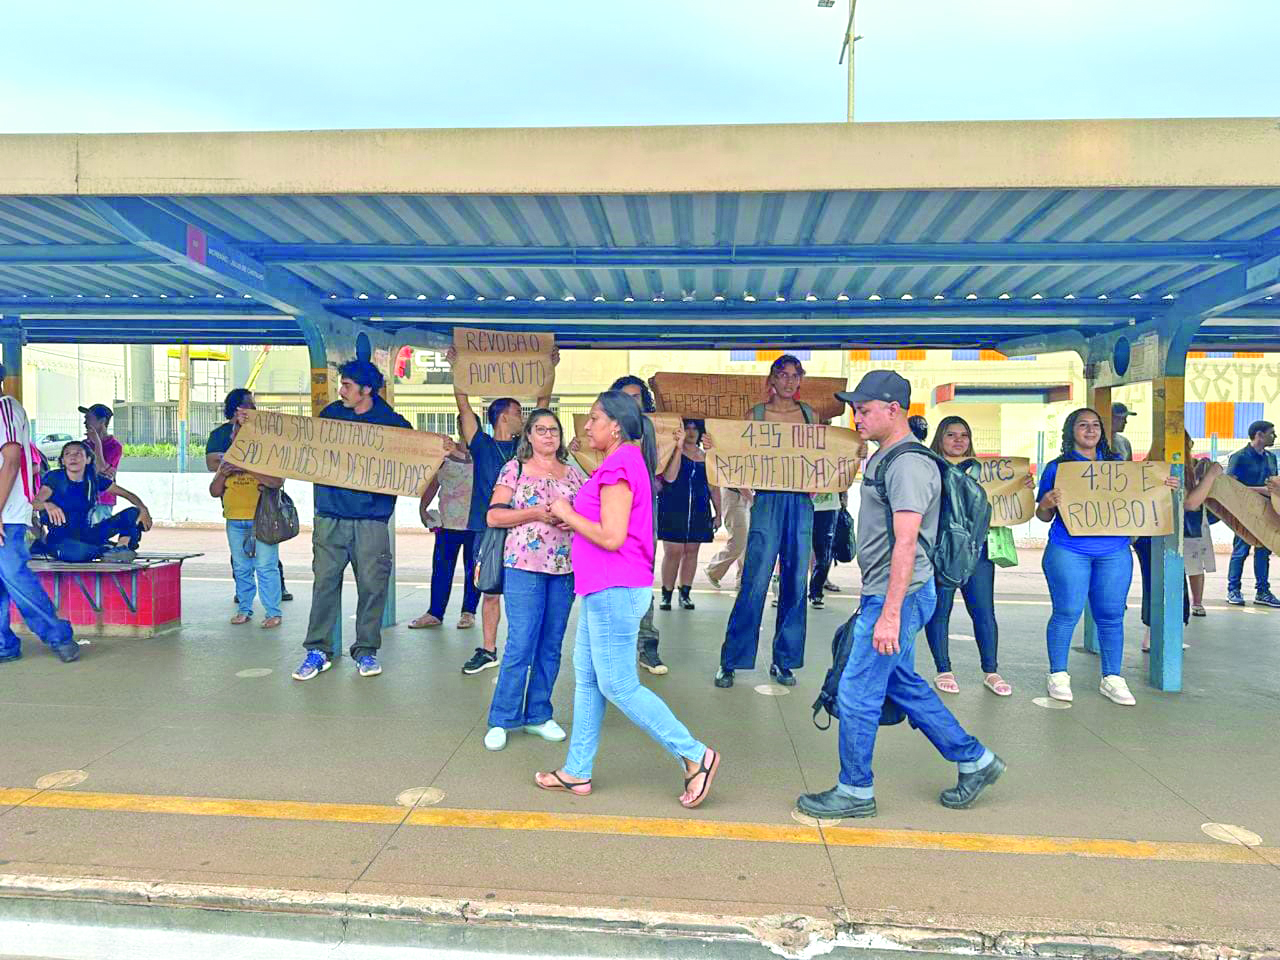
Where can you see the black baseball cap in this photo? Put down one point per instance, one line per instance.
(879, 385)
(99, 410)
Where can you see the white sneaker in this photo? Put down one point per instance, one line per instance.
(495, 739)
(550, 730)
(1116, 690)
(714, 582)
(1060, 686)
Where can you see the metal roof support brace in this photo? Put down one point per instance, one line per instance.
(328, 335)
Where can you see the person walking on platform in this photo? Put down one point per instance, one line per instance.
(538, 578)
(234, 408)
(453, 482)
(1099, 569)
(351, 527)
(688, 515)
(613, 547)
(735, 509)
(1253, 465)
(255, 564)
(648, 636)
(781, 533)
(1197, 549)
(19, 586)
(1120, 444)
(896, 535)
(954, 440)
(488, 455)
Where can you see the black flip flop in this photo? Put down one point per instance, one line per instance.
(709, 775)
(566, 786)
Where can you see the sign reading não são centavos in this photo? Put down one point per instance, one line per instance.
(337, 453)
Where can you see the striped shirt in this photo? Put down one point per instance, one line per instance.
(14, 429)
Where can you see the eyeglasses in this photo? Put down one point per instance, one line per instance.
(547, 431)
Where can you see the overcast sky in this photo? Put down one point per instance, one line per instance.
(130, 65)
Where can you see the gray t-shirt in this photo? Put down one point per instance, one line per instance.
(1121, 446)
(914, 486)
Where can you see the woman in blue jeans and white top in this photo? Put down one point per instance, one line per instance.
(954, 440)
(613, 546)
(537, 578)
(1099, 569)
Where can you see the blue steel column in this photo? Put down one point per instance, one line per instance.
(1167, 567)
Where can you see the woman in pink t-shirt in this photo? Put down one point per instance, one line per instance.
(612, 521)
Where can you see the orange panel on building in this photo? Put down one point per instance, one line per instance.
(916, 410)
(910, 354)
(1220, 418)
(991, 355)
(856, 355)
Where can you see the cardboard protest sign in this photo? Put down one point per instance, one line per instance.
(1005, 481)
(798, 457)
(1249, 515)
(730, 396)
(664, 427)
(1115, 498)
(498, 363)
(337, 453)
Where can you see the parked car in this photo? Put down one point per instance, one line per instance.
(51, 444)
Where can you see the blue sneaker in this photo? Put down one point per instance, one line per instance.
(369, 665)
(315, 664)
(67, 652)
(7, 654)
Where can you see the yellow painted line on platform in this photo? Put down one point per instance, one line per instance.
(688, 829)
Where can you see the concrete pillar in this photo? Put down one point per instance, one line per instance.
(142, 373)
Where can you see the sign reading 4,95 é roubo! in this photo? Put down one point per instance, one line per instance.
(499, 363)
(1115, 498)
(800, 457)
(1005, 481)
(337, 453)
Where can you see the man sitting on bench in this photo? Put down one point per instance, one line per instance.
(65, 500)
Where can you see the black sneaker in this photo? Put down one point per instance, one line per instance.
(834, 805)
(67, 652)
(970, 786)
(1235, 598)
(724, 678)
(830, 587)
(482, 659)
(285, 596)
(650, 660)
(818, 602)
(1267, 599)
(782, 675)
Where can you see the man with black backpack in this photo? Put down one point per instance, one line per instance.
(916, 509)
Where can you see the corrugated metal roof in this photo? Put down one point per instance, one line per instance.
(422, 259)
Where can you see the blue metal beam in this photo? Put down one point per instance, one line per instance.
(677, 257)
(75, 254)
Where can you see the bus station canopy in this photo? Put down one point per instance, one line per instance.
(1004, 236)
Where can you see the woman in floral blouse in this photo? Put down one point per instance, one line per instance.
(538, 579)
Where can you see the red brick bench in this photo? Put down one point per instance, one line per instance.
(142, 598)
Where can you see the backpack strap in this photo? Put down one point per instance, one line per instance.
(881, 484)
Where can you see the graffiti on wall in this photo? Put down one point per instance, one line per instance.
(1225, 380)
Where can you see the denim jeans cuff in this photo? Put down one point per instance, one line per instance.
(973, 766)
(858, 793)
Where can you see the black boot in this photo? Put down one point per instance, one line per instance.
(666, 599)
(685, 602)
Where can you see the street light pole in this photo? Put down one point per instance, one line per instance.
(847, 47)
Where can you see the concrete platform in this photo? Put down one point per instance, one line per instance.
(196, 774)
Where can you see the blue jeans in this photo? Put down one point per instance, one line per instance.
(538, 606)
(604, 664)
(1261, 566)
(870, 678)
(90, 543)
(980, 600)
(264, 561)
(21, 587)
(781, 530)
(444, 559)
(1104, 581)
